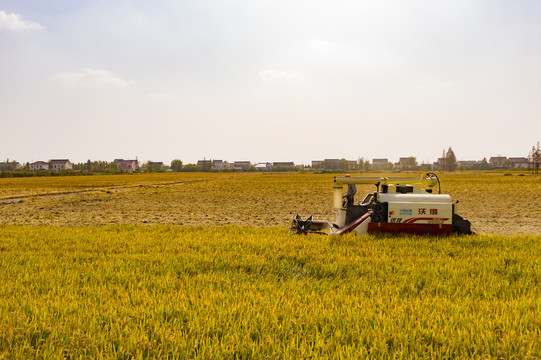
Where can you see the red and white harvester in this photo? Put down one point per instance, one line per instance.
(399, 205)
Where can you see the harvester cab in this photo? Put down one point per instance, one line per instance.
(399, 205)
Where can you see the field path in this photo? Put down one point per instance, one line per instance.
(60, 194)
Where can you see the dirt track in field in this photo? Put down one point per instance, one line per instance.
(20, 198)
(492, 202)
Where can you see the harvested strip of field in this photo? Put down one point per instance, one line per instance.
(236, 292)
(17, 198)
(39, 186)
(494, 203)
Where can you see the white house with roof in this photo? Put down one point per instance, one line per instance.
(214, 164)
(60, 165)
(241, 165)
(379, 163)
(219, 165)
(405, 162)
(263, 166)
(126, 166)
(39, 165)
(497, 160)
(519, 162)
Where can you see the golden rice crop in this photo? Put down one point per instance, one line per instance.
(100, 285)
(243, 292)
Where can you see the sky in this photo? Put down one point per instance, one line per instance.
(265, 81)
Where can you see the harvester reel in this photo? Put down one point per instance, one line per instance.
(301, 226)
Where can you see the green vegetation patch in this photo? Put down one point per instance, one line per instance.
(238, 292)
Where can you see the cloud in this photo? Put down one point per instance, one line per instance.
(15, 21)
(274, 76)
(92, 78)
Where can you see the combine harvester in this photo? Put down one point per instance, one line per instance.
(399, 205)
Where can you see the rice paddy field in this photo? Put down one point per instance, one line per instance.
(201, 266)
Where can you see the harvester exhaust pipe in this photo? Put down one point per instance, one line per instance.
(337, 197)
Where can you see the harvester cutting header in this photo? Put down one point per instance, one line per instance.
(399, 205)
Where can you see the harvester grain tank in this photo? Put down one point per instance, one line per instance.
(399, 205)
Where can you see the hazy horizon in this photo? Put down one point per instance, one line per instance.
(268, 81)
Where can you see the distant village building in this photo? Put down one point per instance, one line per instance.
(402, 163)
(241, 165)
(283, 163)
(264, 166)
(497, 161)
(467, 162)
(317, 163)
(126, 166)
(39, 165)
(219, 165)
(9, 166)
(332, 163)
(379, 163)
(519, 162)
(442, 162)
(204, 163)
(60, 165)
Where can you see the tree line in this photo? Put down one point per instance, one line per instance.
(447, 163)
(534, 159)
